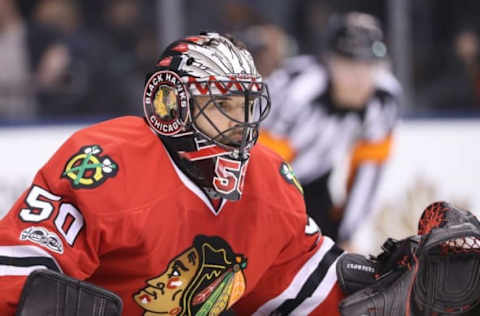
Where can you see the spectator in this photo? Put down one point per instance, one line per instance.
(458, 88)
(269, 44)
(19, 56)
(60, 92)
(128, 46)
(228, 16)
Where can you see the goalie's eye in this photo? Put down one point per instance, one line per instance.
(224, 105)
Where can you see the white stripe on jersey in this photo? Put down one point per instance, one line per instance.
(320, 294)
(24, 254)
(16, 271)
(300, 278)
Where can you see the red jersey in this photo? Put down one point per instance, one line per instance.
(111, 208)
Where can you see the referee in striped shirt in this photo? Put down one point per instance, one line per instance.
(336, 111)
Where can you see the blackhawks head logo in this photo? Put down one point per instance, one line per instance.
(205, 279)
(165, 102)
(87, 169)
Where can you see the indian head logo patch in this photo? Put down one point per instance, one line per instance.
(205, 279)
(88, 169)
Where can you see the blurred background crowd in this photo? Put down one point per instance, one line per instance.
(82, 59)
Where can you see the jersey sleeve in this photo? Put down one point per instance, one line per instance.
(303, 282)
(302, 279)
(49, 227)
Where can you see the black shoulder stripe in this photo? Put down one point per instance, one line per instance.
(24, 262)
(311, 284)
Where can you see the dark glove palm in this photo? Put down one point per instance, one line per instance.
(439, 276)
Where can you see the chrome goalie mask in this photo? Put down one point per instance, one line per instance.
(206, 100)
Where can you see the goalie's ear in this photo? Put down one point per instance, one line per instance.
(46, 292)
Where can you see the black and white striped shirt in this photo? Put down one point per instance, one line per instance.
(316, 136)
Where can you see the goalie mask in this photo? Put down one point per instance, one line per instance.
(205, 99)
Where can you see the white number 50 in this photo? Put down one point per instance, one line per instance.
(40, 208)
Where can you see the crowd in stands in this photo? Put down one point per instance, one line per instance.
(71, 58)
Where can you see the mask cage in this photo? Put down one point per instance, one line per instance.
(257, 105)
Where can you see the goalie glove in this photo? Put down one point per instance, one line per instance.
(439, 275)
(355, 272)
(47, 293)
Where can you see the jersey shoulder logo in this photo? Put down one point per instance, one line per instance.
(87, 169)
(205, 279)
(287, 173)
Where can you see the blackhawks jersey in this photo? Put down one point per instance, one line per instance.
(111, 208)
(309, 131)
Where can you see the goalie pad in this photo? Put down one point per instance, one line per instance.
(440, 275)
(47, 293)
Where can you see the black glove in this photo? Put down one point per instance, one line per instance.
(436, 272)
(389, 282)
(355, 272)
(47, 293)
